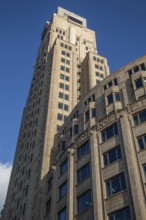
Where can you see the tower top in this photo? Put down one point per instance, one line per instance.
(71, 16)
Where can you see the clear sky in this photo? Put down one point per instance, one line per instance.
(120, 28)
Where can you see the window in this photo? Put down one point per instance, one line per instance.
(83, 173)
(67, 78)
(62, 68)
(61, 95)
(97, 73)
(112, 155)
(76, 129)
(115, 184)
(63, 145)
(110, 99)
(117, 96)
(75, 20)
(87, 116)
(115, 81)
(101, 75)
(66, 97)
(61, 76)
(63, 52)
(67, 87)
(62, 214)
(63, 190)
(93, 112)
(62, 60)
(142, 66)
(105, 87)
(61, 85)
(101, 68)
(138, 83)
(83, 150)
(84, 201)
(136, 69)
(67, 54)
(67, 69)
(109, 132)
(60, 117)
(96, 66)
(142, 142)
(110, 84)
(140, 117)
(68, 62)
(123, 214)
(60, 105)
(64, 167)
(65, 107)
(130, 72)
(65, 117)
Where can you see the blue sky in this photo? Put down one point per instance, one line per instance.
(121, 37)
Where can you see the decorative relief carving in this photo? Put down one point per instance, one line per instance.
(138, 105)
(106, 121)
(82, 137)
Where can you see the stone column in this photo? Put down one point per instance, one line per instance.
(96, 177)
(133, 168)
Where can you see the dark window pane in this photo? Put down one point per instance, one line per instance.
(76, 129)
(112, 156)
(83, 149)
(110, 84)
(135, 118)
(119, 152)
(62, 214)
(63, 190)
(87, 116)
(110, 99)
(105, 159)
(117, 96)
(115, 82)
(136, 69)
(115, 185)
(93, 112)
(123, 214)
(138, 83)
(75, 20)
(84, 201)
(60, 105)
(142, 116)
(141, 143)
(130, 72)
(83, 173)
(64, 167)
(142, 66)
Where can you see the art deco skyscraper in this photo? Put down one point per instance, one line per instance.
(63, 74)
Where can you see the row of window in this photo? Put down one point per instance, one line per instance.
(63, 68)
(61, 117)
(97, 59)
(100, 75)
(66, 46)
(63, 60)
(98, 67)
(111, 83)
(64, 77)
(140, 82)
(63, 96)
(64, 86)
(84, 202)
(113, 97)
(136, 69)
(65, 53)
(63, 106)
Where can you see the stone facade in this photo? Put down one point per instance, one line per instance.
(111, 121)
